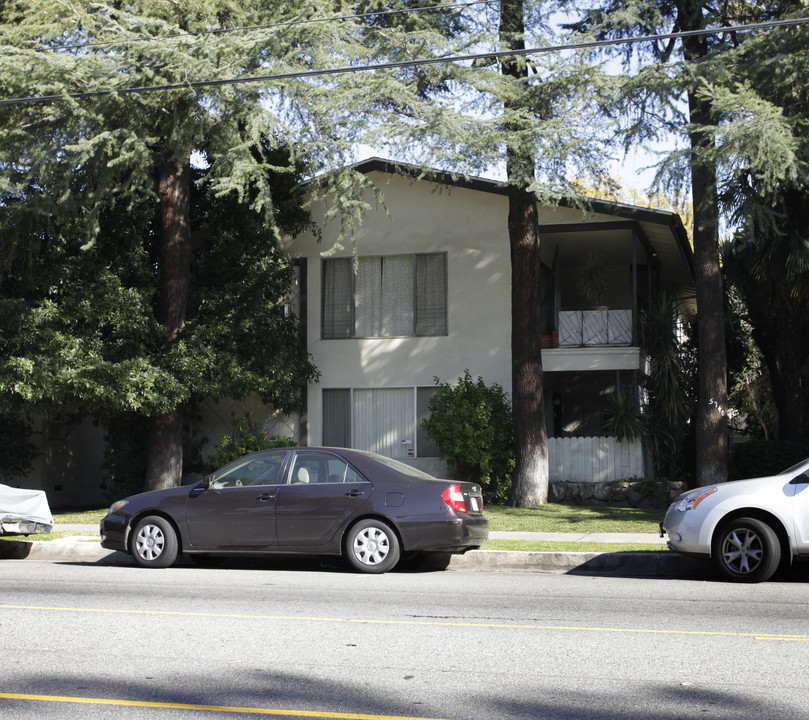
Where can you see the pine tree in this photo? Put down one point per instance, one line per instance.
(530, 477)
(670, 70)
(763, 156)
(200, 67)
(100, 116)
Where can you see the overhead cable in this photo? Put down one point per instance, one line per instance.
(325, 72)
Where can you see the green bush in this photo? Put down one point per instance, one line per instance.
(17, 452)
(247, 437)
(470, 423)
(125, 455)
(759, 458)
(622, 418)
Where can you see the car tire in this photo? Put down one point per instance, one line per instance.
(424, 561)
(153, 543)
(436, 561)
(746, 550)
(371, 546)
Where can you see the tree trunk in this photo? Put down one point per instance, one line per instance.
(165, 457)
(712, 422)
(165, 453)
(530, 479)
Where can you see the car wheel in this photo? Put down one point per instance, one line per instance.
(371, 546)
(436, 561)
(153, 543)
(424, 561)
(746, 550)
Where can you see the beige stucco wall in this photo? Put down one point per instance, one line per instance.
(470, 227)
(419, 217)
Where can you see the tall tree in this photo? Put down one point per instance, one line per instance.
(764, 155)
(653, 98)
(81, 335)
(533, 116)
(712, 429)
(454, 115)
(530, 478)
(68, 161)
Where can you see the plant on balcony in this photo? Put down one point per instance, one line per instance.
(594, 282)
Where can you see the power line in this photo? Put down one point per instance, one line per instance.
(39, 99)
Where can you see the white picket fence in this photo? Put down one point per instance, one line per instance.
(594, 459)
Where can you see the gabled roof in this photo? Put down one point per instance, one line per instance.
(661, 231)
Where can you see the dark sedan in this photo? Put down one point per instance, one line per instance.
(369, 509)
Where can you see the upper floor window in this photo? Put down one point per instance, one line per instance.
(390, 296)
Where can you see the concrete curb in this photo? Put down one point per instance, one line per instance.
(73, 549)
(621, 564)
(652, 564)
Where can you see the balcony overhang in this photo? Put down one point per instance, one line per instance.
(592, 359)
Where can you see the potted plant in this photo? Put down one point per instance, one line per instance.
(594, 281)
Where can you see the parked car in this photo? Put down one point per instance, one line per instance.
(24, 512)
(749, 528)
(370, 509)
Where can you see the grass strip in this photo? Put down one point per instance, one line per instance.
(573, 518)
(59, 535)
(84, 517)
(553, 546)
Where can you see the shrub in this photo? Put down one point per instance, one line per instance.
(759, 458)
(17, 452)
(125, 455)
(247, 437)
(622, 418)
(470, 423)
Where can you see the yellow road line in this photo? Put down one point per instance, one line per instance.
(207, 708)
(428, 623)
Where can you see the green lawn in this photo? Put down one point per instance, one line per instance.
(553, 546)
(86, 517)
(573, 518)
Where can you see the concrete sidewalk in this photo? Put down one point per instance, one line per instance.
(86, 548)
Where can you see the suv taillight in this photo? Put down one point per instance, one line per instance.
(453, 497)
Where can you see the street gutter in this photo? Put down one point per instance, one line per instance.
(664, 564)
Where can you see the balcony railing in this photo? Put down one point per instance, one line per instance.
(595, 328)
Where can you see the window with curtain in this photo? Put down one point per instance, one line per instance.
(382, 420)
(390, 296)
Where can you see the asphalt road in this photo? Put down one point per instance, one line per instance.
(293, 640)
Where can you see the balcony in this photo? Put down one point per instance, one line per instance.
(595, 328)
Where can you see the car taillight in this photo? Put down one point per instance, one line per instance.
(453, 497)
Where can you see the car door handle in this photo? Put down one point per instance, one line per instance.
(355, 493)
(264, 497)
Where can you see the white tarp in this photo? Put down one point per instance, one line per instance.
(29, 506)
